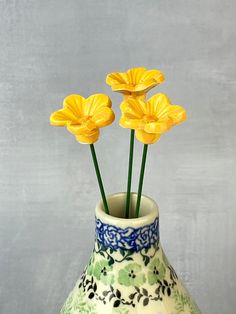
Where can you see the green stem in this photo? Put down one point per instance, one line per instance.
(131, 152)
(140, 186)
(99, 178)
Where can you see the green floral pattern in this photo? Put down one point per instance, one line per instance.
(90, 266)
(102, 271)
(102, 283)
(184, 303)
(156, 271)
(128, 281)
(131, 275)
(77, 303)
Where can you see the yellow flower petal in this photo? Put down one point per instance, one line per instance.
(74, 103)
(83, 117)
(88, 138)
(62, 117)
(117, 78)
(160, 126)
(133, 107)
(177, 114)
(136, 81)
(71, 112)
(103, 117)
(146, 138)
(134, 75)
(85, 127)
(125, 89)
(149, 79)
(131, 123)
(158, 105)
(143, 88)
(95, 102)
(118, 82)
(154, 75)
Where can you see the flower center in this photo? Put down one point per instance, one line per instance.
(149, 118)
(132, 274)
(104, 271)
(155, 271)
(84, 119)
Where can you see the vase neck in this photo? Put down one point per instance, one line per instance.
(127, 234)
(128, 238)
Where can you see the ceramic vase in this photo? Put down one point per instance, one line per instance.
(128, 272)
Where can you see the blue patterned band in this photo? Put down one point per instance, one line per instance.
(128, 238)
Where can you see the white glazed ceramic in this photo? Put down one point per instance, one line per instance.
(128, 272)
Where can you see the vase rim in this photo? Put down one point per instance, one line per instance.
(149, 210)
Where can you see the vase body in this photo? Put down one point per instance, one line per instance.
(128, 272)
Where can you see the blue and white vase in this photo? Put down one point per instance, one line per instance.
(128, 271)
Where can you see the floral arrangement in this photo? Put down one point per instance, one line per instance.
(146, 119)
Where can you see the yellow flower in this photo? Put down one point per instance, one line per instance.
(134, 82)
(152, 118)
(83, 117)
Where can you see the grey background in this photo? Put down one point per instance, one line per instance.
(48, 190)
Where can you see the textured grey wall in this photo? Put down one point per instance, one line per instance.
(48, 190)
